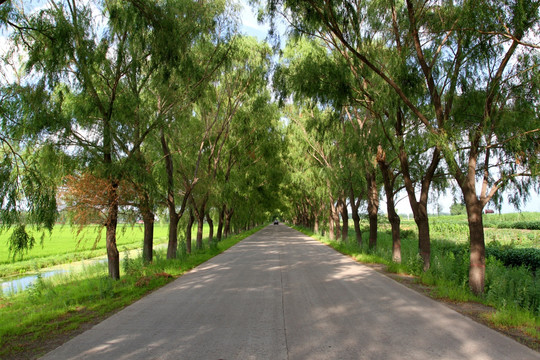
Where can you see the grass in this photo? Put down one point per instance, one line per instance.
(513, 291)
(60, 304)
(63, 245)
(64, 240)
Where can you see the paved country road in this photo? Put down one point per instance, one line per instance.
(281, 295)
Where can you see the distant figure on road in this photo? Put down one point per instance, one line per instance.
(276, 222)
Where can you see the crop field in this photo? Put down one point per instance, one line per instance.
(516, 229)
(64, 245)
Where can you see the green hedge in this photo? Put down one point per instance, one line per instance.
(522, 225)
(529, 257)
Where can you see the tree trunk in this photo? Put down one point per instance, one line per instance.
(173, 234)
(424, 243)
(111, 223)
(331, 225)
(200, 224)
(345, 217)
(393, 217)
(477, 265)
(355, 216)
(396, 237)
(373, 208)
(189, 226)
(148, 242)
(220, 223)
(228, 216)
(337, 222)
(357, 229)
(211, 228)
(419, 207)
(174, 218)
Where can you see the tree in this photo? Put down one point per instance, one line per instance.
(458, 49)
(89, 71)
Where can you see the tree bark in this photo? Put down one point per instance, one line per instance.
(345, 217)
(189, 226)
(393, 217)
(419, 207)
(148, 241)
(200, 212)
(331, 225)
(477, 266)
(174, 218)
(220, 223)
(211, 228)
(111, 223)
(355, 216)
(373, 207)
(228, 216)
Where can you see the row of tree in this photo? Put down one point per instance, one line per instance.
(413, 95)
(140, 105)
(134, 106)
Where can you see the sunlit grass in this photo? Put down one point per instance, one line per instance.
(63, 245)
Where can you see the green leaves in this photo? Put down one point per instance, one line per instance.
(20, 241)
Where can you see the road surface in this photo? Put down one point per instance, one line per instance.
(281, 295)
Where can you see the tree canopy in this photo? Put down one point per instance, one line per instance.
(128, 109)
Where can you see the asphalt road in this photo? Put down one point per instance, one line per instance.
(281, 295)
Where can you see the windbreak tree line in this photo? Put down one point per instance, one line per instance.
(127, 107)
(431, 93)
(130, 107)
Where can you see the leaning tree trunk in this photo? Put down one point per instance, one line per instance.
(373, 208)
(111, 223)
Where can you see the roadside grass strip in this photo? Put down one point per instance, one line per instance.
(57, 307)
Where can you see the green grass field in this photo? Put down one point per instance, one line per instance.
(63, 245)
(65, 240)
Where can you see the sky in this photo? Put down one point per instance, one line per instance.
(250, 26)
